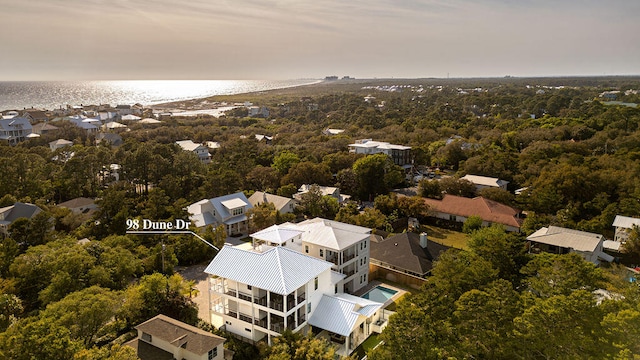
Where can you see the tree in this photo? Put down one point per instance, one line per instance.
(376, 174)
(262, 216)
(113, 352)
(497, 194)
(632, 245)
(263, 178)
(156, 294)
(458, 187)
(550, 274)
(294, 346)
(505, 251)
(85, 313)
(307, 172)
(284, 161)
(10, 309)
(430, 189)
(34, 338)
(472, 224)
(314, 204)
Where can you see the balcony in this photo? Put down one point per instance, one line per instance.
(232, 313)
(231, 292)
(260, 300)
(246, 318)
(348, 272)
(301, 298)
(277, 327)
(277, 306)
(333, 259)
(301, 319)
(260, 322)
(348, 257)
(244, 296)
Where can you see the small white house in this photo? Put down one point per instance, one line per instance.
(482, 182)
(199, 149)
(558, 240)
(229, 210)
(623, 226)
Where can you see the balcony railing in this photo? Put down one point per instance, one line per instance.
(276, 306)
(232, 313)
(261, 322)
(333, 259)
(291, 304)
(277, 327)
(244, 296)
(260, 300)
(348, 273)
(348, 257)
(231, 292)
(301, 319)
(245, 318)
(301, 298)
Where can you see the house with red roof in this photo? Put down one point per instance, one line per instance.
(458, 208)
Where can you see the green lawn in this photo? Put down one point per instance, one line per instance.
(367, 345)
(446, 237)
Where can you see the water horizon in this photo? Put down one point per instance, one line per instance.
(50, 95)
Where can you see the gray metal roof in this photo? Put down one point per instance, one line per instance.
(332, 234)
(18, 210)
(340, 313)
(279, 270)
(276, 234)
(625, 222)
(567, 238)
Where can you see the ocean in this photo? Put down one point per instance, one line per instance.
(49, 95)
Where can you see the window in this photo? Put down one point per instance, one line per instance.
(249, 287)
(335, 289)
(308, 308)
(321, 253)
(360, 246)
(213, 353)
(452, 218)
(146, 337)
(238, 211)
(245, 329)
(306, 249)
(365, 277)
(365, 244)
(315, 283)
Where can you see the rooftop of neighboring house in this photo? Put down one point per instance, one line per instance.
(61, 142)
(488, 210)
(39, 127)
(222, 205)
(625, 222)
(369, 143)
(15, 123)
(484, 180)
(179, 334)
(18, 210)
(279, 270)
(405, 251)
(77, 202)
(567, 238)
(260, 197)
(188, 145)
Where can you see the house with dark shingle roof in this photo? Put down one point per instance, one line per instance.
(18, 210)
(458, 208)
(163, 338)
(405, 258)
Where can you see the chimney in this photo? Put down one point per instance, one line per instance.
(423, 240)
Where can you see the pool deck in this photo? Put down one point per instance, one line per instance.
(376, 283)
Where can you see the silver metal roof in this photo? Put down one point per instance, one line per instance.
(625, 222)
(340, 313)
(279, 270)
(567, 238)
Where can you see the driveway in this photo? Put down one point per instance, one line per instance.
(201, 296)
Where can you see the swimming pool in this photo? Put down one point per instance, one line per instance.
(379, 294)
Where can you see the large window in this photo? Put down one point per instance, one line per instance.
(237, 211)
(146, 337)
(213, 353)
(315, 283)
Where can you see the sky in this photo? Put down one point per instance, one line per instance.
(293, 39)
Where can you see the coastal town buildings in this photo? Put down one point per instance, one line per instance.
(297, 277)
(282, 204)
(229, 211)
(14, 130)
(458, 209)
(558, 240)
(400, 154)
(165, 338)
(482, 182)
(9, 214)
(200, 150)
(623, 226)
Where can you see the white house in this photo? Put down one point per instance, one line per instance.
(15, 129)
(623, 226)
(345, 246)
(162, 338)
(199, 149)
(482, 182)
(560, 240)
(282, 204)
(324, 190)
(229, 210)
(259, 294)
(59, 144)
(400, 154)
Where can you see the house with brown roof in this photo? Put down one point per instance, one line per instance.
(405, 258)
(163, 338)
(43, 128)
(458, 208)
(35, 115)
(282, 204)
(80, 205)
